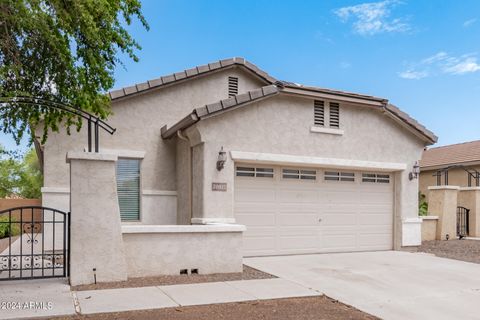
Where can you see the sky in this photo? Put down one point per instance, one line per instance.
(424, 56)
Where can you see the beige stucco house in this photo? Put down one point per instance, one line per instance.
(305, 169)
(456, 165)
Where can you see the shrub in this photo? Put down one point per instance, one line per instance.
(422, 205)
(8, 229)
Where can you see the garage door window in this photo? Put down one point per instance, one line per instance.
(376, 177)
(299, 174)
(254, 172)
(339, 176)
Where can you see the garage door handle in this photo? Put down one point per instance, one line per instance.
(320, 220)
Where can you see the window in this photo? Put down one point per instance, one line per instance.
(319, 113)
(334, 115)
(299, 174)
(232, 86)
(339, 176)
(128, 189)
(376, 177)
(254, 172)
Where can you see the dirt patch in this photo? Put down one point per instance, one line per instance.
(465, 250)
(247, 274)
(311, 308)
(4, 243)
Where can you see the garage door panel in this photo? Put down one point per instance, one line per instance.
(297, 196)
(286, 216)
(256, 219)
(375, 241)
(297, 219)
(375, 219)
(307, 243)
(339, 241)
(254, 195)
(339, 219)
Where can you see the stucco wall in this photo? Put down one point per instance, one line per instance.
(429, 228)
(160, 252)
(282, 124)
(138, 121)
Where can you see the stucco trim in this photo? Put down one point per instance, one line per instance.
(327, 130)
(54, 190)
(429, 217)
(286, 159)
(203, 228)
(94, 156)
(124, 153)
(469, 188)
(213, 221)
(148, 192)
(444, 188)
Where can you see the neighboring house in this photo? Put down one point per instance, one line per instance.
(458, 158)
(307, 169)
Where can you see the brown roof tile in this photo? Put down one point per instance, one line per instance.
(451, 154)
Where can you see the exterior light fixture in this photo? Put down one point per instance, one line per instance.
(222, 158)
(415, 172)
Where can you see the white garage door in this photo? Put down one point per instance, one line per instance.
(301, 210)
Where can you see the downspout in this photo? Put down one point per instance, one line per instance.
(181, 136)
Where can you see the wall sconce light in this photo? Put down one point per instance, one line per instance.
(222, 158)
(415, 172)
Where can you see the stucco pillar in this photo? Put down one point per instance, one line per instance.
(96, 236)
(212, 188)
(469, 198)
(442, 202)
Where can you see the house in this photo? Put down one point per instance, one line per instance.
(305, 169)
(456, 164)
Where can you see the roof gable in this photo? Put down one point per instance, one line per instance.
(192, 73)
(265, 92)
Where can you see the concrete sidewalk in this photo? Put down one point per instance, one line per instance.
(127, 299)
(59, 300)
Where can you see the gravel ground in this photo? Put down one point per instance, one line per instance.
(311, 308)
(465, 250)
(247, 274)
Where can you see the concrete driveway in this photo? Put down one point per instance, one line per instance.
(387, 284)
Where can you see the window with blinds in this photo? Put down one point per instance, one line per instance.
(232, 86)
(319, 113)
(334, 115)
(128, 189)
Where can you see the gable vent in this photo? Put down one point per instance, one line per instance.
(232, 86)
(334, 115)
(319, 113)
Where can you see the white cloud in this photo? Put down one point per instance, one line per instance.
(345, 65)
(442, 62)
(462, 66)
(469, 22)
(372, 18)
(411, 74)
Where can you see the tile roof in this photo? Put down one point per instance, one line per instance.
(274, 83)
(412, 122)
(451, 154)
(220, 107)
(191, 73)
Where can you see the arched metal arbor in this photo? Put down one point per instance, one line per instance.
(471, 173)
(92, 121)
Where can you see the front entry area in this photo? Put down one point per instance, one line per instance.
(290, 210)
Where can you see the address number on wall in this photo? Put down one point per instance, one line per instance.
(219, 186)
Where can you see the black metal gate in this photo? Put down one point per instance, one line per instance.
(462, 221)
(34, 243)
